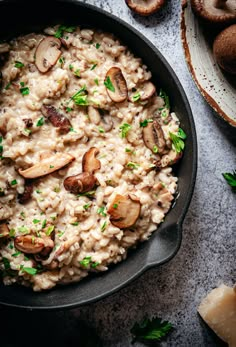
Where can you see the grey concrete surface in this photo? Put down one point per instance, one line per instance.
(207, 254)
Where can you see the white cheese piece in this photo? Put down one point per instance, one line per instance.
(218, 309)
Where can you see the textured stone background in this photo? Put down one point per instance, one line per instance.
(207, 254)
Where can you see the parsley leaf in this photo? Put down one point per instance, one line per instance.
(178, 143)
(49, 230)
(19, 64)
(181, 134)
(136, 97)
(85, 262)
(101, 211)
(153, 329)
(94, 66)
(14, 182)
(231, 179)
(62, 28)
(40, 122)
(165, 97)
(24, 91)
(132, 165)
(108, 84)
(80, 98)
(29, 270)
(125, 128)
(145, 122)
(97, 45)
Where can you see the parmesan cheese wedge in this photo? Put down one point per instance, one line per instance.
(218, 309)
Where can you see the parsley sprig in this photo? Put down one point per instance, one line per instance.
(108, 84)
(64, 28)
(125, 128)
(230, 179)
(151, 329)
(177, 139)
(80, 98)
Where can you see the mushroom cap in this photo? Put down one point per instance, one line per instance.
(47, 53)
(145, 7)
(224, 49)
(215, 11)
(118, 81)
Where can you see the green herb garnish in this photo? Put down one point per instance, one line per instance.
(136, 97)
(12, 232)
(153, 329)
(23, 230)
(108, 84)
(36, 221)
(80, 98)
(94, 66)
(29, 270)
(40, 122)
(16, 254)
(103, 226)
(125, 128)
(49, 230)
(44, 223)
(145, 122)
(86, 206)
(231, 179)
(85, 262)
(101, 130)
(97, 45)
(24, 91)
(155, 149)
(6, 263)
(101, 211)
(62, 28)
(75, 223)
(132, 165)
(96, 81)
(14, 182)
(19, 64)
(178, 143)
(8, 86)
(115, 205)
(181, 134)
(88, 194)
(165, 97)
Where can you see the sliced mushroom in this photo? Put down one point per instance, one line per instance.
(118, 81)
(4, 230)
(169, 159)
(57, 119)
(29, 244)
(47, 165)
(94, 115)
(26, 195)
(145, 92)
(217, 11)
(124, 211)
(153, 137)
(81, 183)
(47, 53)
(48, 246)
(145, 7)
(89, 162)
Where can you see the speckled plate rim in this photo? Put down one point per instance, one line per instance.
(187, 51)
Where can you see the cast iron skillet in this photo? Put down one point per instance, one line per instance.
(24, 16)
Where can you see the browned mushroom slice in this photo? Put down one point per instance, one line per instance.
(169, 159)
(47, 165)
(48, 246)
(4, 230)
(116, 85)
(26, 195)
(217, 11)
(153, 137)
(81, 183)
(145, 7)
(124, 211)
(29, 244)
(57, 119)
(47, 53)
(89, 162)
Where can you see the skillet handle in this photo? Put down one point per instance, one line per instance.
(165, 244)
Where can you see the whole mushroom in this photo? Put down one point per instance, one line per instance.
(145, 7)
(215, 11)
(224, 49)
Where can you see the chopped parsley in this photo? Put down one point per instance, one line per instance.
(44, 223)
(181, 134)
(153, 329)
(96, 81)
(24, 91)
(87, 261)
(178, 143)
(36, 221)
(165, 97)
(75, 223)
(8, 86)
(136, 97)
(49, 230)
(86, 206)
(6, 263)
(51, 166)
(38, 191)
(77, 72)
(57, 189)
(125, 128)
(71, 67)
(62, 61)
(64, 28)
(80, 97)
(16, 254)
(231, 179)
(101, 130)
(94, 66)
(19, 64)
(97, 45)
(127, 150)
(103, 226)
(132, 165)
(155, 149)
(14, 182)
(69, 109)
(23, 230)
(29, 270)
(101, 211)
(115, 205)
(12, 232)
(108, 84)
(145, 122)
(88, 194)
(40, 122)
(60, 233)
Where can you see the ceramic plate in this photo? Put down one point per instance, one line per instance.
(217, 87)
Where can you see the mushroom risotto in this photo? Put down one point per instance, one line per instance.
(87, 144)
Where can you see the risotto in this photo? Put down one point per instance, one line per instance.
(87, 143)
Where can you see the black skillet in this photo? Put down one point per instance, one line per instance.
(24, 16)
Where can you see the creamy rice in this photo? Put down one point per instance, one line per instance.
(77, 231)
